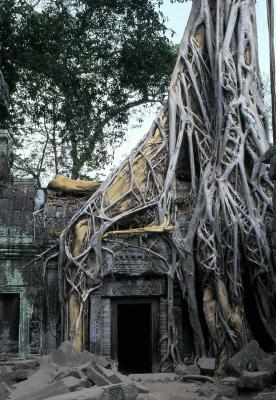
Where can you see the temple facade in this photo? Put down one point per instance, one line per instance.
(30, 222)
(126, 317)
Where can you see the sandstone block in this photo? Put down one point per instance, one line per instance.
(207, 365)
(254, 380)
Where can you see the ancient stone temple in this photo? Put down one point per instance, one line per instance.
(30, 222)
(128, 314)
(133, 303)
(174, 241)
(129, 307)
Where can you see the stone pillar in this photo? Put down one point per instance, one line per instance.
(5, 153)
(5, 143)
(50, 334)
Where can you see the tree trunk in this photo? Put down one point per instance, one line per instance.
(75, 171)
(215, 113)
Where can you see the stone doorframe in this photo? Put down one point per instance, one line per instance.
(24, 318)
(155, 326)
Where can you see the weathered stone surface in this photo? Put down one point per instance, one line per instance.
(4, 391)
(95, 377)
(246, 359)
(66, 372)
(19, 375)
(26, 364)
(144, 397)
(267, 364)
(227, 391)
(157, 377)
(67, 356)
(85, 394)
(44, 392)
(254, 380)
(207, 365)
(4, 370)
(219, 397)
(206, 389)
(111, 375)
(126, 391)
(139, 287)
(73, 384)
(229, 381)
(193, 369)
(266, 396)
(181, 370)
(141, 388)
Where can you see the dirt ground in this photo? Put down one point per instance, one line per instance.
(186, 391)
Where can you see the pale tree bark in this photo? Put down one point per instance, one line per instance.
(215, 105)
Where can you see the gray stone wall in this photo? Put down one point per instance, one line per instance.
(28, 227)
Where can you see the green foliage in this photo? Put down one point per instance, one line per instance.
(76, 68)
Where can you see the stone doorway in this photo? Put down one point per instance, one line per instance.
(9, 323)
(135, 335)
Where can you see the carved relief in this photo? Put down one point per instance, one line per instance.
(135, 287)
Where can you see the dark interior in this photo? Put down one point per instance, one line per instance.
(9, 323)
(253, 317)
(134, 338)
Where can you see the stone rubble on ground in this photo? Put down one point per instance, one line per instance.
(207, 365)
(266, 396)
(67, 374)
(5, 390)
(246, 359)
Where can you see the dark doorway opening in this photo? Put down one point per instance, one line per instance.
(134, 330)
(252, 315)
(9, 323)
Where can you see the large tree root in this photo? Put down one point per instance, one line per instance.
(215, 106)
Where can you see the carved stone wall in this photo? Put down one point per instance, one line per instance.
(27, 229)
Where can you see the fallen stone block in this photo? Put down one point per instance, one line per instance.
(75, 372)
(266, 396)
(67, 356)
(99, 360)
(267, 364)
(4, 391)
(95, 377)
(181, 370)
(207, 365)
(19, 375)
(84, 394)
(193, 369)
(45, 392)
(39, 379)
(254, 380)
(126, 391)
(72, 383)
(246, 359)
(26, 365)
(141, 388)
(5, 370)
(155, 377)
(111, 375)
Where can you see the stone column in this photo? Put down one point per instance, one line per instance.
(5, 155)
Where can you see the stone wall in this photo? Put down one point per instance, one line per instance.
(30, 223)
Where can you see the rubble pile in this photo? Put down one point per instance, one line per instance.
(66, 374)
(249, 371)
